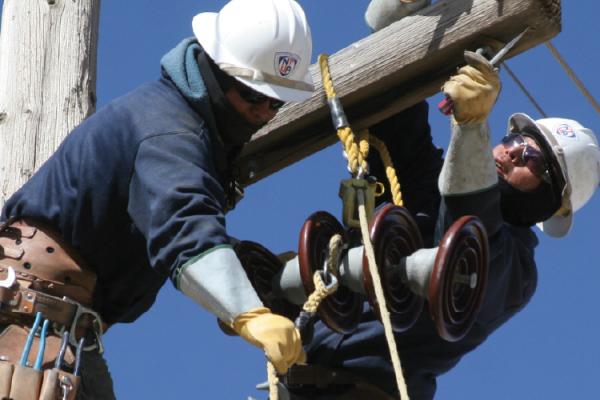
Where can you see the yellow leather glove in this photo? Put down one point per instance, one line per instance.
(473, 90)
(275, 334)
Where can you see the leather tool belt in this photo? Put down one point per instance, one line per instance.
(309, 381)
(41, 273)
(44, 262)
(316, 375)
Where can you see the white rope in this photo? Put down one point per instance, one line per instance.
(383, 311)
(273, 381)
(524, 90)
(573, 77)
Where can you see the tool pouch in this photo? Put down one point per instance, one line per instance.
(18, 382)
(6, 373)
(26, 383)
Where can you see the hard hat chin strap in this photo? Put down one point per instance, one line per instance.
(256, 75)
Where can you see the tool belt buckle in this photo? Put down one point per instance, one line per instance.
(96, 326)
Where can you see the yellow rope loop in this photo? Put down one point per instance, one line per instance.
(390, 172)
(335, 247)
(312, 303)
(363, 145)
(320, 293)
(350, 147)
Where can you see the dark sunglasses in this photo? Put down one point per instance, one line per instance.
(253, 97)
(530, 156)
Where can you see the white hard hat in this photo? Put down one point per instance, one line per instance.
(265, 44)
(574, 150)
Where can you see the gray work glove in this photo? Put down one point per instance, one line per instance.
(381, 13)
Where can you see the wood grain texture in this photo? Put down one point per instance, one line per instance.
(47, 80)
(393, 69)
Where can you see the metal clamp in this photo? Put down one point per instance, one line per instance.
(348, 192)
(328, 278)
(66, 386)
(338, 117)
(96, 326)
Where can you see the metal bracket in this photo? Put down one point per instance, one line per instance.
(348, 194)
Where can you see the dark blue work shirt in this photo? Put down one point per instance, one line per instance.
(135, 190)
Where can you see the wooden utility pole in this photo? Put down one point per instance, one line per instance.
(393, 69)
(48, 64)
(47, 80)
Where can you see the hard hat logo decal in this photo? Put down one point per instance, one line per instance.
(566, 130)
(285, 63)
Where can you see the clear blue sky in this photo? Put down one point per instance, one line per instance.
(548, 351)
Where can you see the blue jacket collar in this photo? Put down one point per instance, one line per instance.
(181, 66)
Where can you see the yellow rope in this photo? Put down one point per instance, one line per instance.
(320, 293)
(356, 151)
(363, 148)
(390, 172)
(312, 303)
(333, 261)
(357, 157)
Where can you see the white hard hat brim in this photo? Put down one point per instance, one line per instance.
(279, 92)
(557, 225)
(204, 26)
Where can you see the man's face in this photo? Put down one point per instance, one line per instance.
(255, 107)
(520, 162)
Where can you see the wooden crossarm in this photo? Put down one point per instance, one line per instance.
(393, 69)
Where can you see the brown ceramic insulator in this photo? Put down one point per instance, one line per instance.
(463, 255)
(261, 267)
(394, 235)
(342, 310)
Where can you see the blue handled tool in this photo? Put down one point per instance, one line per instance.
(63, 348)
(29, 341)
(78, 357)
(42, 348)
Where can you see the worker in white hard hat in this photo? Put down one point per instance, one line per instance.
(138, 194)
(561, 153)
(545, 169)
(540, 173)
